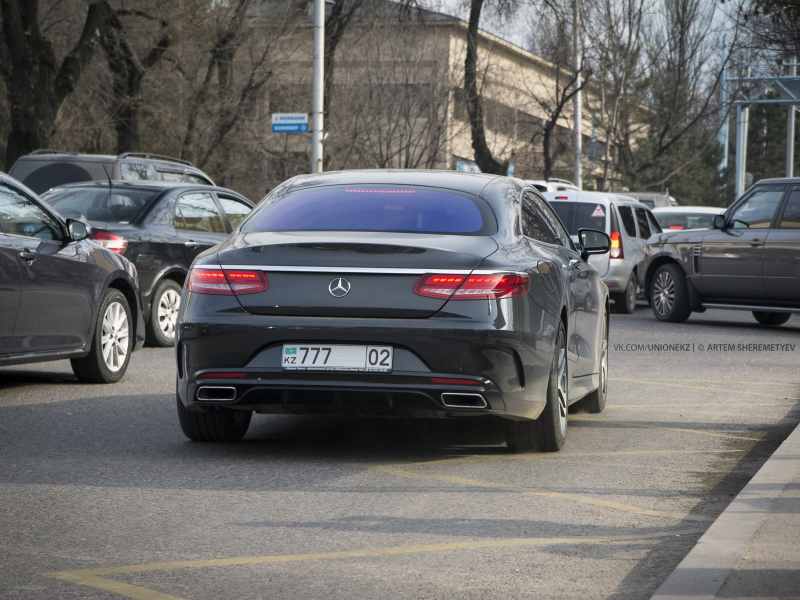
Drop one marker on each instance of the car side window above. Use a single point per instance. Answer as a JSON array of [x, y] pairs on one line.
[[22, 216], [534, 223], [644, 227], [133, 171], [626, 216], [757, 210], [791, 213], [169, 176], [235, 210], [200, 213], [654, 226], [562, 236], [191, 178]]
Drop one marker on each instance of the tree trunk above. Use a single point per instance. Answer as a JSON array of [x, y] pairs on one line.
[[38, 86], [128, 72], [483, 155]]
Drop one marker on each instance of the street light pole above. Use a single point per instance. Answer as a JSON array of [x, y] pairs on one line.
[[790, 126], [317, 117], [578, 140]]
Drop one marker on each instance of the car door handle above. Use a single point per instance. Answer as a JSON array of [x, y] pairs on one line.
[[191, 244], [756, 243], [574, 263], [27, 256]]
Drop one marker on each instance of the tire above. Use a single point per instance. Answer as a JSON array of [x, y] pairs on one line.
[[625, 303], [596, 401], [669, 294], [214, 424], [115, 326], [521, 436], [164, 314], [771, 318], [553, 421]]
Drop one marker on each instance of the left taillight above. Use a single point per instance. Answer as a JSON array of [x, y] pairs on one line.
[[113, 242], [472, 287], [226, 283]]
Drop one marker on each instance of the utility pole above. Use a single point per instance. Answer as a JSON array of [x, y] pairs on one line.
[[577, 174], [722, 136], [317, 117], [790, 126], [742, 117]]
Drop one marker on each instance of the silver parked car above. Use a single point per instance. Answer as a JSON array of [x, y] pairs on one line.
[[627, 222]]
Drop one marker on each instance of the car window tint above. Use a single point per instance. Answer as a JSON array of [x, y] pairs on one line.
[[21, 216], [200, 213], [590, 215], [235, 210], [534, 223], [197, 179], [626, 216], [169, 176], [565, 212], [177, 221], [644, 227], [391, 208], [40, 175], [654, 226], [115, 205], [561, 236], [757, 210], [791, 214], [133, 171]]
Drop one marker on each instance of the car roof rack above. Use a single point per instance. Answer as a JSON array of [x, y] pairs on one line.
[[155, 156], [41, 151]]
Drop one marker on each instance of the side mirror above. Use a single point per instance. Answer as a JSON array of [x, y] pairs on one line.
[[78, 230], [593, 242], [719, 221]]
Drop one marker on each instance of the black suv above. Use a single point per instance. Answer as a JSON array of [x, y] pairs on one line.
[[749, 260], [160, 227], [42, 170]]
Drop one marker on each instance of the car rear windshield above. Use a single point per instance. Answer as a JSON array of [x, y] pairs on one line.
[[581, 215], [390, 208], [118, 205], [684, 220], [40, 175]]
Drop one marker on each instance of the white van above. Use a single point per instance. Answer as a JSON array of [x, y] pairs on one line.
[[627, 222]]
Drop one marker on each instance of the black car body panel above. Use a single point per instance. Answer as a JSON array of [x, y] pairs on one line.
[[504, 346], [740, 267], [49, 303], [154, 245]]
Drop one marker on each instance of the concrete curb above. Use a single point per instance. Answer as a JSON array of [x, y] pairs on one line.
[[704, 570]]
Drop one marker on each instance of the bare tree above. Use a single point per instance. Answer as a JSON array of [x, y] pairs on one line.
[[37, 83]]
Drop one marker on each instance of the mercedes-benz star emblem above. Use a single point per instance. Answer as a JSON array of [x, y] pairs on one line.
[[339, 287]]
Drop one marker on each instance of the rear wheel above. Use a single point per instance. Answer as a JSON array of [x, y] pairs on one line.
[[164, 314], [112, 342], [669, 294], [214, 424], [771, 318], [521, 436], [626, 301], [554, 418]]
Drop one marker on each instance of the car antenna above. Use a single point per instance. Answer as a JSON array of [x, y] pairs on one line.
[[110, 185]]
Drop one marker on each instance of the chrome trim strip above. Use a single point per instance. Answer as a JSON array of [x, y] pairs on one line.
[[485, 404], [376, 270], [775, 309]]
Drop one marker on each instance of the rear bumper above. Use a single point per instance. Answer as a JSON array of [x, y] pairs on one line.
[[511, 368], [618, 274]]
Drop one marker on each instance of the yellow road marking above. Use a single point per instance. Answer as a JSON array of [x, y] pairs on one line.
[[549, 455], [392, 470], [701, 404], [692, 387], [92, 577], [651, 426]]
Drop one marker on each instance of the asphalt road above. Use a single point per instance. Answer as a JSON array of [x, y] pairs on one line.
[[103, 497]]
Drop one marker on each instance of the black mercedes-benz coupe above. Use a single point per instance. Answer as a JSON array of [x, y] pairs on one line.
[[397, 293], [61, 295]]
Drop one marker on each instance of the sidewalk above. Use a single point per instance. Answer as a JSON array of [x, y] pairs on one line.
[[753, 549]]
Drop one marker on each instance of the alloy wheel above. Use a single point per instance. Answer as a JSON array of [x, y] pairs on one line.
[[114, 341], [663, 293], [562, 389], [168, 312]]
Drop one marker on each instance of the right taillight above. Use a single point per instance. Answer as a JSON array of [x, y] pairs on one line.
[[472, 287], [616, 245], [226, 283]]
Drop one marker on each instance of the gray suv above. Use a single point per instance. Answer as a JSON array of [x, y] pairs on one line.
[[43, 170], [750, 260]]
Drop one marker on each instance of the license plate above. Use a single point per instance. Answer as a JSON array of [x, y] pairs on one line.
[[333, 357]]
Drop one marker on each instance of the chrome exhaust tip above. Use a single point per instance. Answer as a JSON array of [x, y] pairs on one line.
[[458, 400], [216, 392]]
